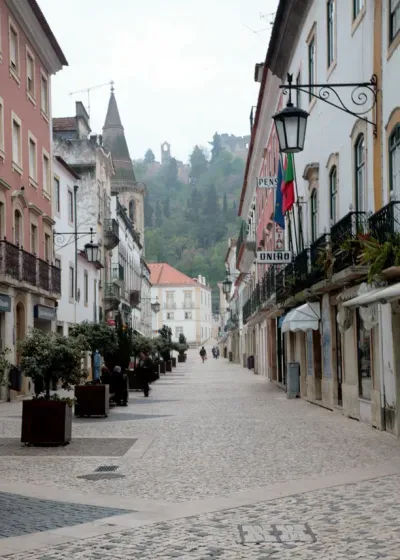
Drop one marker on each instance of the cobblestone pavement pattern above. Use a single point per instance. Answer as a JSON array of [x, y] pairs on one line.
[[225, 430]]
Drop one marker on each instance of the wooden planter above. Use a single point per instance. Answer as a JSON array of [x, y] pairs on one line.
[[134, 381], [46, 422], [162, 367], [156, 372], [168, 365], [181, 358], [173, 362], [92, 400]]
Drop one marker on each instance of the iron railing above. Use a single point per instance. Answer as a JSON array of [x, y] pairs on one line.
[[55, 280], [385, 223], [300, 279], [10, 260], [29, 267], [320, 252], [111, 290], [346, 230], [118, 272], [44, 275]]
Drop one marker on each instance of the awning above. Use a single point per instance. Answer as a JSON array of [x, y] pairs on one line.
[[381, 295], [303, 318]]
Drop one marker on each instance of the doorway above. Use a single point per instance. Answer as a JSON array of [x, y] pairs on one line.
[[339, 370]]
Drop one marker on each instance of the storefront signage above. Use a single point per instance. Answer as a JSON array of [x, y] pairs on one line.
[[267, 182], [45, 313], [5, 303], [274, 257]]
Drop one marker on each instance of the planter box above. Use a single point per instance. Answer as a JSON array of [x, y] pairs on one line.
[[173, 362], [92, 400], [168, 365], [181, 358], [133, 381], [156, 372], [162, 367], [46, 422]]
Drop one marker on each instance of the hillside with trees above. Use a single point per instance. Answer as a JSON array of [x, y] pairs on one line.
[[188, 225]]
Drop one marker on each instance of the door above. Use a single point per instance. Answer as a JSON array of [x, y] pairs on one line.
[[339, 370]]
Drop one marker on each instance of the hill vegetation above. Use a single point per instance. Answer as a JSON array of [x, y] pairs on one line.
[[188, 225]]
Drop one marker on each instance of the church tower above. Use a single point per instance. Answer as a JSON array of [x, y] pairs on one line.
[[123, 183]]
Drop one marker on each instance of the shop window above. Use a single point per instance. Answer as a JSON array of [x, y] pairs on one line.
[[364, 359]]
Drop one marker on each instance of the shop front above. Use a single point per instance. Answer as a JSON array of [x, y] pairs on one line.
[[44, 317]]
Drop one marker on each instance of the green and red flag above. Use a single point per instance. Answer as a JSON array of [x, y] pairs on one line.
[[288, 185]]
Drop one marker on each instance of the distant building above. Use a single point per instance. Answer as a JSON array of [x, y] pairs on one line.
[[185, 303], [237, 145]]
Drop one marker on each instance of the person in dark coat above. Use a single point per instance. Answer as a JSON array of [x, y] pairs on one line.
[[120, 387], [145, 370]]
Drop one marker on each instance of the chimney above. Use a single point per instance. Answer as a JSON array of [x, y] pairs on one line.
[[199, 279], [204, 280]]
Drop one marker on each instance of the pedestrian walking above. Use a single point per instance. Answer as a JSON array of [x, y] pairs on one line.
[[214, 352], [144, 371], [203, 354], [120, 386]]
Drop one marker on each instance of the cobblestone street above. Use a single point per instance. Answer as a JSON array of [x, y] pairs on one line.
[[215, 464]]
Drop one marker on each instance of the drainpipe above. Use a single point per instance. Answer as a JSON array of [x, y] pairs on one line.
[[76, 249]]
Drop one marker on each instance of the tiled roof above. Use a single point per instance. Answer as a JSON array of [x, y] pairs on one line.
[[64, 123], [163, 273]]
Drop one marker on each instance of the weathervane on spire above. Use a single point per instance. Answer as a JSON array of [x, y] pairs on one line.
[[112, 86]]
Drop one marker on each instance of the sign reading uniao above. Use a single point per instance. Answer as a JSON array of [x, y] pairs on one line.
[[267, 182], [274, 257]]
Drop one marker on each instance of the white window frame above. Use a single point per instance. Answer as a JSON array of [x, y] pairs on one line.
[[170, 316], [34, 246], [358, 6], [331, 35], [71, 283], [360, 169], [31, 95], [33, 179], [2, 138], [46, 186], [188, 316], [13, 29], [71, 209], [57, 199], [44, 110], [47, 247], [394, 9], [17, 165]]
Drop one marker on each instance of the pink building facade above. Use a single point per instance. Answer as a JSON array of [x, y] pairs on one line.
[[29, 281]]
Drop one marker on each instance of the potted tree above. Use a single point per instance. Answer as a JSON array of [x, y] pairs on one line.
[[93, 398], [49, 358], [182, 347], [166, 346]]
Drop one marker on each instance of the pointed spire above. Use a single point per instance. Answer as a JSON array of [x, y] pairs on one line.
[[113, 120]]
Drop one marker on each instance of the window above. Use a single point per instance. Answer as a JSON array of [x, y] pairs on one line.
[[311, 67], [394, 162], [33, 239], [56, 193], [178, 331], [188, 300], [30, 73], [2, 220], [32, 157], [71, 282], [300, 227], [188, 315], [46, 173], [57, 263], [364, 359], [132, 209], [85, 287], [170, 316], [170, 300], [298, 92], [44, 94], [1, 125], [333, 193], [357, 7], [47, 248], [70, 206], [359, 157], [16, 141], [394, 22], [99, 203], [330, 17], [17, 227], [14, 49], [314, 216]]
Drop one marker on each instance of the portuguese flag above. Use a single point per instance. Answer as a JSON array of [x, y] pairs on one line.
[[288, 185]]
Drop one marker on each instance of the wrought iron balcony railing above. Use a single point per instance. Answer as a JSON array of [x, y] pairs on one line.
[[29, 267], [111, 233], [346, 230], [56, 280], [284, 283], [44, 274], [385, 224], [300, 280], [118, 272], [112, 290], [320, 253]]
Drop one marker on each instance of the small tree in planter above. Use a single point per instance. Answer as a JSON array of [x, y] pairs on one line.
[[182, 347], [96, 336], [48, 358]]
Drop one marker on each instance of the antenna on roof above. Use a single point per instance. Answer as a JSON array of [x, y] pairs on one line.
[[88, 90]]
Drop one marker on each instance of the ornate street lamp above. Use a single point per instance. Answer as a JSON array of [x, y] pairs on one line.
[[156, 306], [291, 125], [227, 286], [92, 252]]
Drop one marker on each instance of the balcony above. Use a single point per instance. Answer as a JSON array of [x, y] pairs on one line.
[[284, 283], [118, 273], [385, 224], [134, 298], [19, 266], [343, 233], [170, 305], [110, 233], [245, 248], [112, 296], [321, 260], [301, 278]]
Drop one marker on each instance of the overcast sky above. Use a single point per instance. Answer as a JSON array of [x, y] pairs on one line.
[[183, 69]]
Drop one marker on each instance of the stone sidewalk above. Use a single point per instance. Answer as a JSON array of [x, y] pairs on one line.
[[215, 464]]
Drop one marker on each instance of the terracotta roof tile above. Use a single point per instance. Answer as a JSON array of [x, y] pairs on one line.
[[164, 273], [64, 123]]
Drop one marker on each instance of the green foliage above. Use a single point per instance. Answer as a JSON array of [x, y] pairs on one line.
[[216, 147], [149, 156], [51, 357], [96, 336], [379, 256], [202, 215], [4, 366], [182, 339]]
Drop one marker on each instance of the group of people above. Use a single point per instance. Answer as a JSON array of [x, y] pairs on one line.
[[118, 379], [203, 353]]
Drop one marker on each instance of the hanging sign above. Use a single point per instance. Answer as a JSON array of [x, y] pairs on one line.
[[267, 182], [274, 257]]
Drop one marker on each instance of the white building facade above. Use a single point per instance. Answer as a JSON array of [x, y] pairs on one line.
[[185, 303]]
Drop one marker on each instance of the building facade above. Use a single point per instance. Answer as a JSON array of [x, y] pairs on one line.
[[325, 311], [29, 281], [79, 291], [185, 303]]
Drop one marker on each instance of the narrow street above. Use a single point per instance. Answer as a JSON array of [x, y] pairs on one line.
[[217, 463]]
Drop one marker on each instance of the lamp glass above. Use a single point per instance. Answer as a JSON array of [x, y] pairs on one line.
[[92, 252], [227, 286], [291, 125], [156, 307]]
